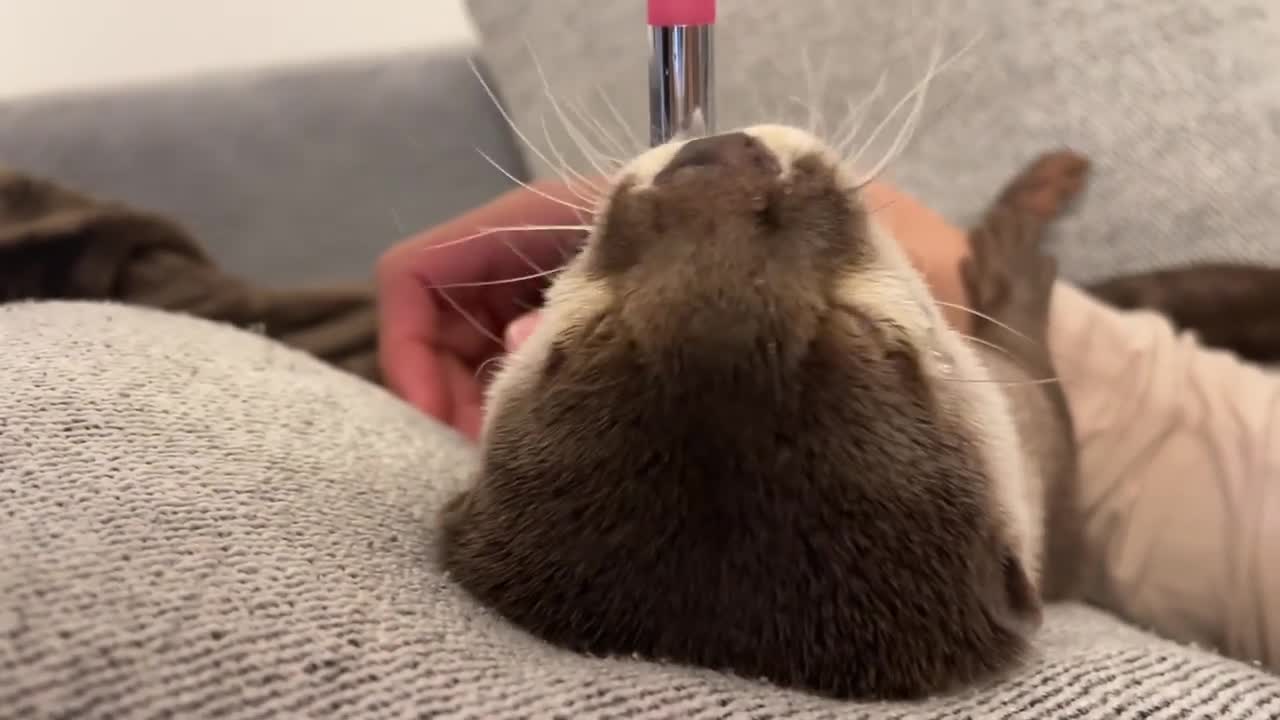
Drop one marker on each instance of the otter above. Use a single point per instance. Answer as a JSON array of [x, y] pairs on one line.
[[744, 438], [1229, 306]]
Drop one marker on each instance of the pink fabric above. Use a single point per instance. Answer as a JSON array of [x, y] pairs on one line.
[[1180, 472]]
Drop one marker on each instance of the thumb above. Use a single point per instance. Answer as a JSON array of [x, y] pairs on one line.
[[520, 329]]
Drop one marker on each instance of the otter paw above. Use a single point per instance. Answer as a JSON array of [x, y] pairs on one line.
[[1046, 186], [1006, 275]]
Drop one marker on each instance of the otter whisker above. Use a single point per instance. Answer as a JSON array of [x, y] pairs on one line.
[[799, 102], [529, 187], [417, 145], [761, 107], [413, 141], [986, 317], [846, 135], [467, 316], [918, 92], [564, 163], [504, 281], [555, 150], [912, 94], [572, 132], [1006, 383], [820, 92], [905, 133], [940, 113], [395, 220], [495, 360], [509, 228], [588, 143], [811, 87], [623, 125], [806, 70], [493, 97], [527, 260], [523, 138], [987, 343], [567, 173], [910, 129], [885, 205], [1009, 354], [588, 151], [606, 137], [839, 136]]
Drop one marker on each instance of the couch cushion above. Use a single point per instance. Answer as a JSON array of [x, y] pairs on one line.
[[197, 522], [1177, 102], [292, 174]]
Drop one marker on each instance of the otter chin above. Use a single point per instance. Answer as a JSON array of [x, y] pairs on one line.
[[743, 438]]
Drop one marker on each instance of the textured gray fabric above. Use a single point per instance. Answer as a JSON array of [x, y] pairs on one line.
[[1177, 102], [286, 175], [196, 522]]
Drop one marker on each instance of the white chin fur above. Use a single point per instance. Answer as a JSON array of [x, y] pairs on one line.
[[966, 385], [570, 302]]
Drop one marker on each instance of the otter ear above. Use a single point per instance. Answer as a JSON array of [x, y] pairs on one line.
[[1013, 602]]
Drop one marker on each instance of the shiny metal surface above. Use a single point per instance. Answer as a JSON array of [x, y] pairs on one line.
[[681, 79]]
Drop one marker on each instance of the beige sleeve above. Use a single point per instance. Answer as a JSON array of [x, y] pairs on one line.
[[1180, 472]]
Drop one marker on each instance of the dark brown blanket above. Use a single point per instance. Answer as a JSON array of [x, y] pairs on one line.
[[56, 243], [1229, 306]]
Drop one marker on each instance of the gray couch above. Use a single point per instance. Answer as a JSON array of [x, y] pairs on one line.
[[292, 174], [195, 522]]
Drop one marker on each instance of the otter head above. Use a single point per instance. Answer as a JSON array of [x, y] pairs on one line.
[[743, 438]]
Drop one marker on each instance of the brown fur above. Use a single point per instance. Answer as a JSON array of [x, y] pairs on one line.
[[1229, 306], [730, 465], [1008, 277]]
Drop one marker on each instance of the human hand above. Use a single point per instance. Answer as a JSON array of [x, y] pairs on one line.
[[446, 297]]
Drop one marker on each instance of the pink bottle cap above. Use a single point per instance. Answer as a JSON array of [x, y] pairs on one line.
[[664, 13]]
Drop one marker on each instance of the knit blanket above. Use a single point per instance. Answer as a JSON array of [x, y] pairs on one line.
[[197, 521]]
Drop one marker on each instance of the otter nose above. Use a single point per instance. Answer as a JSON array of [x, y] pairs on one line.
[[732, 152]]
